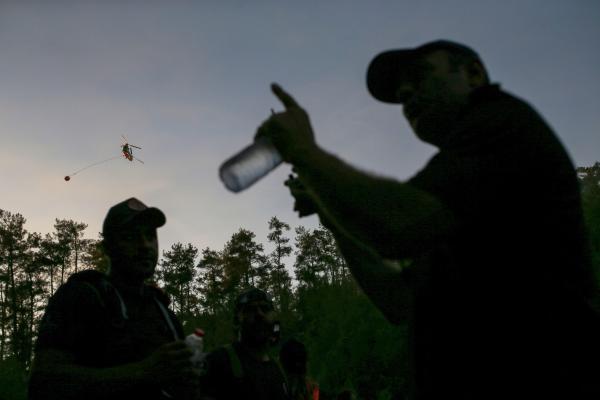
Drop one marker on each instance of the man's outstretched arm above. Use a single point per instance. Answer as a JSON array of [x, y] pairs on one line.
[[393, 218], [386, 286]]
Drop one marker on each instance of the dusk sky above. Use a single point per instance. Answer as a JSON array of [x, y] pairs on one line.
[[188, 81]]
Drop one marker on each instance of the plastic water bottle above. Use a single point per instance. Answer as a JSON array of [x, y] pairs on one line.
[[249, 165], [195, 341]]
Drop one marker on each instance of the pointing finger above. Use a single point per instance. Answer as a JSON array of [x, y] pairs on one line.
[[287, 100]]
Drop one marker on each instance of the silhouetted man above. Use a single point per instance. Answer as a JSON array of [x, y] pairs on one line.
[[112, 336], [497, 286], [244, 369]]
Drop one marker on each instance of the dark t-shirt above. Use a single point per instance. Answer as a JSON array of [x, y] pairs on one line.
[[86, 318], [260, 380], [504, 307]]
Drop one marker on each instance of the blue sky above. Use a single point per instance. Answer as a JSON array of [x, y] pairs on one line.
[[189, 82]]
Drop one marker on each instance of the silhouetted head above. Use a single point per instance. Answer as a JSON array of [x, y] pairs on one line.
[[130, 239], [255, 317], [293, 357], [433, 82]]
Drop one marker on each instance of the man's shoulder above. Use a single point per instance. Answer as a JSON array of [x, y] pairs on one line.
[[86, 277], [79, 286], [499, 97], [76, 307], [158, 293], [528, 140], [518, 113]]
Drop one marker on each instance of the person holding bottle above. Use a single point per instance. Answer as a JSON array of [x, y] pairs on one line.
[[496, 286], [112, 336]]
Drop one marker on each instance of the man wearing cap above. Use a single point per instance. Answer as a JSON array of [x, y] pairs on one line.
[[497, 287], [112, 336], [244, 369]]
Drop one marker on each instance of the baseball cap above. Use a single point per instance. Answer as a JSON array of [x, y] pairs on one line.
[[250, 295], [389, 68], [131, 211]]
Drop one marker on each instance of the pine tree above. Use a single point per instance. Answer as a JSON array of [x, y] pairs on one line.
[[94, 256], [279, 282], [589, 178], [13, 249], [34, 295], [176, 271], [68, 236], [210, 281], [243, 262], [334, 265], [308, 267]]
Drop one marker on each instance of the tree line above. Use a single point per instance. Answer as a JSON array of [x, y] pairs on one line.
[[350, 344], [304, 272]]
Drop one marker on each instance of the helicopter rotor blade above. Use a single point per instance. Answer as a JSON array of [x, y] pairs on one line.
[[137, 159], [137, 147]]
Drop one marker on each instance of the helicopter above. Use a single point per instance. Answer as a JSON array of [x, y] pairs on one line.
[[127, 150]]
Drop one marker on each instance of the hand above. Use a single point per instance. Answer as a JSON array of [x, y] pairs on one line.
[[290, 131], [304, 203], [170, 364]]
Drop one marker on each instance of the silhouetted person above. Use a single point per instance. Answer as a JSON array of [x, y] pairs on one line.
[[497, 286], [244, 369], [294, 360], [112, 336]]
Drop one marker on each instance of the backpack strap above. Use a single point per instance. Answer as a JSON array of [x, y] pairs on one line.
[[234, 362], [110, 298], [107, 295], [162, 300], [286, 383], [167, 318]]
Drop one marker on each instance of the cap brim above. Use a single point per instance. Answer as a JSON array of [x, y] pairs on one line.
[[250, 296], [387, 70], [151, 216]]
